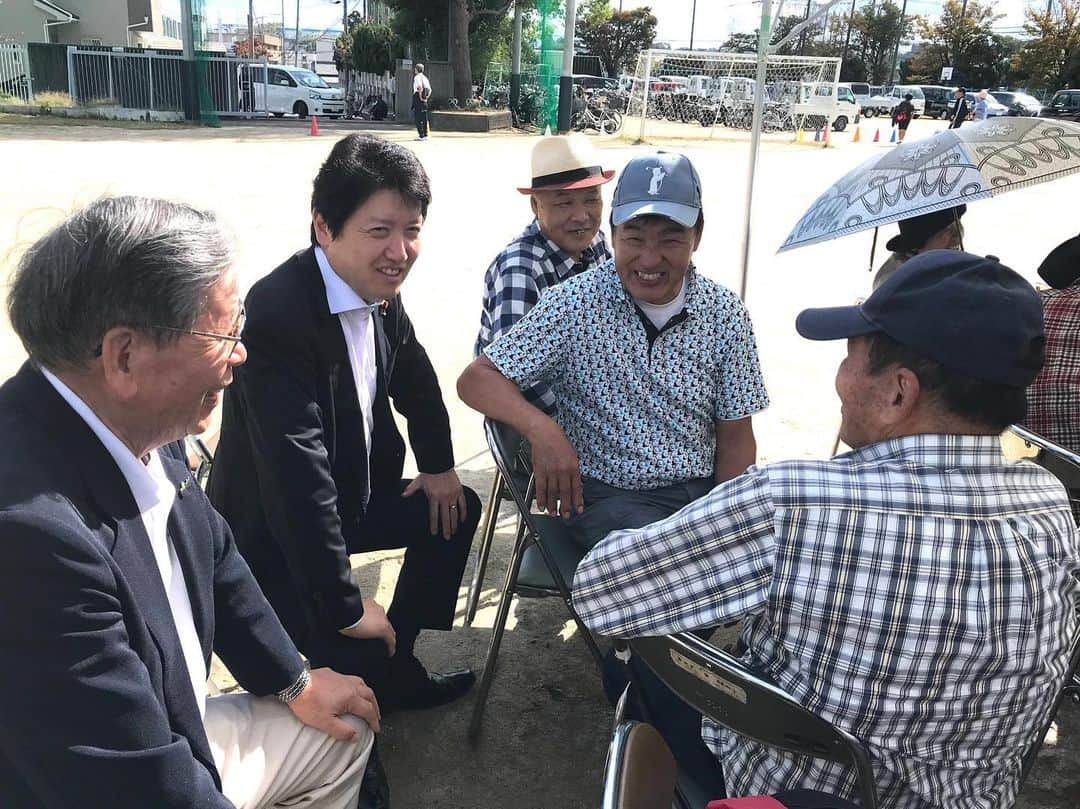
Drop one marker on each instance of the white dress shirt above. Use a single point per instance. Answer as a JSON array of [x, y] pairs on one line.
[[154, 495]]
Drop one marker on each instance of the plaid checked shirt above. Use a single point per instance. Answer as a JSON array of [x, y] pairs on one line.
[[918, 592], [529, 266], [1054, 396]]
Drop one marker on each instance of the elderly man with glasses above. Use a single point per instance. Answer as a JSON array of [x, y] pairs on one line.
[[119, 578]]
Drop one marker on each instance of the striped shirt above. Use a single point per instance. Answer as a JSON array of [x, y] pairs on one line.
[[918, 592], [527, 268]]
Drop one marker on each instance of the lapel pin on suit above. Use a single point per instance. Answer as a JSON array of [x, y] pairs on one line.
[[183, 485]]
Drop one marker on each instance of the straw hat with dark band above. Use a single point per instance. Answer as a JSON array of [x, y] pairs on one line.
[[564, 162]]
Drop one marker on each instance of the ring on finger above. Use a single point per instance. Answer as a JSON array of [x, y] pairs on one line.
[[453, 506]]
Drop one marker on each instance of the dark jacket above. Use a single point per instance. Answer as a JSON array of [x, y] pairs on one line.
[[95, 697], [959, 113], [289, 473], [903, 113]]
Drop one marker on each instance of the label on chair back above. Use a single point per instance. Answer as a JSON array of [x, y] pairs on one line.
[[708, 677]]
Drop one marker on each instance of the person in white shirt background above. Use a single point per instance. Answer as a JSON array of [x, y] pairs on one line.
[[421, 94]]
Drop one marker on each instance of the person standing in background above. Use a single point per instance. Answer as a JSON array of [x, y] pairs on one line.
[[421, 93]]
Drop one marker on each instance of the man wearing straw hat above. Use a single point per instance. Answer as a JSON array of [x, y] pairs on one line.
[[654, 368], [563, 240]]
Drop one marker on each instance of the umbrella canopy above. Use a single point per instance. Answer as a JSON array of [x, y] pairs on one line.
[[954, 166]]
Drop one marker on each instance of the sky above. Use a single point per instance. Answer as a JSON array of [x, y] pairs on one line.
[[713, 22]]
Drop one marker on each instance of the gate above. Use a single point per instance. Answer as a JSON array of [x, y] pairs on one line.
[[15, 72]]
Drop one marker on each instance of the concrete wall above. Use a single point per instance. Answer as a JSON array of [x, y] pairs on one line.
[[106, 20], [440, 74]]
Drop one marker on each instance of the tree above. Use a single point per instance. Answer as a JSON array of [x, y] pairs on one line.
[[1051, 59], [875, 30], [964, 39], [618, 37], [243, 47], [368, 46]]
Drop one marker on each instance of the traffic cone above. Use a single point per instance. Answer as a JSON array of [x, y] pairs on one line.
[[801, 136], [314, 126], [892, 137], [817, 135], [858, 135], [825, 135], [877, 135]]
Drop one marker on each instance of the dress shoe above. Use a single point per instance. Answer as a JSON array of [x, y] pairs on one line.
[[375, 788], [412, 687]]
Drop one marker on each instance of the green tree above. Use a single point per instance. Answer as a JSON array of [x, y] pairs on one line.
[[617, 37], [875, 30], [368, 46], [1050, 60], [964, 41]]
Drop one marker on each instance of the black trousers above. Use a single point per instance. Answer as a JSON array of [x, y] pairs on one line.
[[420, 112], [426, 592]]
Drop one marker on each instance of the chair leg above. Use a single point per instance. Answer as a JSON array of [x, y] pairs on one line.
[[497, 632], [482, 553]]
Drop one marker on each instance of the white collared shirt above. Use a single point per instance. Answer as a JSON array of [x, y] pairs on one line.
[[154, 496], [661, 313], [359, 331]]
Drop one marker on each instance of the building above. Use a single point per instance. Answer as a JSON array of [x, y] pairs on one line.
[[132, 23]]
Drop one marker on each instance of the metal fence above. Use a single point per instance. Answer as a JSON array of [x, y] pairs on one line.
[[154, 81], [15, 72]]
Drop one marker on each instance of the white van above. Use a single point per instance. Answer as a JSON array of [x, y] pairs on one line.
[[281, 90], [859, 89], [818, 103]]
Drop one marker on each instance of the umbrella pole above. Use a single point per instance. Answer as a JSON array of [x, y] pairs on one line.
[[873, 249]]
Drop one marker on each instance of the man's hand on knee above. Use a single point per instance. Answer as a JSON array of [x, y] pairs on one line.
[[328, 696]]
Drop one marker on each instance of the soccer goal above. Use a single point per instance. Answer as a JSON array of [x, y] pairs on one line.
[[695, 94]]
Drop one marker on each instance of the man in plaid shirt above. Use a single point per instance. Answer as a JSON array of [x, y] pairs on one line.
[[1054, 397], [563, 240], [919, 591]]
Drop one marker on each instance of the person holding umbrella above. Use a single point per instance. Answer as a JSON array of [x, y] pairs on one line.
[[940, 230], [902, 115]]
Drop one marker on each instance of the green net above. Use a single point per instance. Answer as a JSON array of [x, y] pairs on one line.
[[203, 80], [549, 65]]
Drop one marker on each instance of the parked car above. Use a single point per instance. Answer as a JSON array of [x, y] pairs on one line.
[[1018, 103], [590, 82], [885, 99], [289, 90], [817, 104], [994, 108], [1065, 104], [938, 99]]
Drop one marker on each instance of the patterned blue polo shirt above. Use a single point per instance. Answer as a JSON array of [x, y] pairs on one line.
[[640, 416]]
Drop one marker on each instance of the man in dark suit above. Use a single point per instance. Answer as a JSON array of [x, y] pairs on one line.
[[119, 579], [309, 466]]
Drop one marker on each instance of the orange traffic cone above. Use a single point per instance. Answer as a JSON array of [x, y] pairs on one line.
[[857, 137], [314, 126], [877, 135]]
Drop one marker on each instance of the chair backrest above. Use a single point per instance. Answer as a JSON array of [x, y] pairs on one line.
[[720, 687], [511, 453], [640, 770], [1062, 463]]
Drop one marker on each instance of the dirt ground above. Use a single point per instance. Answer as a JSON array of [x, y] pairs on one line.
[[547, 724]]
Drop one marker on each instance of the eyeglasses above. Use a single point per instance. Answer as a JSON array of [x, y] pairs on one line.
[[234, 336]]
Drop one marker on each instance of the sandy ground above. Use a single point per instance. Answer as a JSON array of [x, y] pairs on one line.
[[547, 725]]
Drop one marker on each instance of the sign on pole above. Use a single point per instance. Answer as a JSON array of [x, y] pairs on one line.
[[946, 74]]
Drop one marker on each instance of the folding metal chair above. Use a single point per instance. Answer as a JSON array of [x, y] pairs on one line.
[[640, 770], [496, 496], [543, 561], [1062, 463], [718, 686]]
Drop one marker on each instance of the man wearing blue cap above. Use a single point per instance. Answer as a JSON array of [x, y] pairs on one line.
[[654, 367], [918, 591]]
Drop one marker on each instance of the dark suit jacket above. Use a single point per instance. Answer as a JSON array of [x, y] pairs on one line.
[[96, 708], [289, 474]]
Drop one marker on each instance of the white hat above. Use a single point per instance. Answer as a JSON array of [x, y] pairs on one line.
[[561, 162]]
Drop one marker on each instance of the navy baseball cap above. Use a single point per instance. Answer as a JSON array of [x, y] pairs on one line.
[[969, 313], [661, 183]]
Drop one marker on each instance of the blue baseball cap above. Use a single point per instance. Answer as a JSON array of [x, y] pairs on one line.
[[661, 183], [969, 313]]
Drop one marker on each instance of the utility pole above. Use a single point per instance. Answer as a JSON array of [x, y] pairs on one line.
[[566, 79], [344, 33], [282, 48], [802, 34], [190, 91], [899, 36], [693, 18], [251, 29], [296, 38], [515, 59], [847, 36]]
